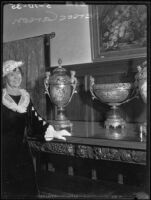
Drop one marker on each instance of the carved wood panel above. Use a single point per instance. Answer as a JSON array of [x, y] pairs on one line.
[[91, 152]]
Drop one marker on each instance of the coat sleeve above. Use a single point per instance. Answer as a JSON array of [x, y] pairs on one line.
[[36, 125]]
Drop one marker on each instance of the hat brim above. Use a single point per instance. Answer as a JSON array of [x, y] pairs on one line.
[[10, 67]]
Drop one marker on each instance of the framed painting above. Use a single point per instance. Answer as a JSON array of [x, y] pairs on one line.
[[118, 31]]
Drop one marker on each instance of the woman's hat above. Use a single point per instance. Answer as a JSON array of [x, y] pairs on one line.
[[10, 65]]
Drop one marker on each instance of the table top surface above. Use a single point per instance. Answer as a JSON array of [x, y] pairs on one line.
[[93, 133]]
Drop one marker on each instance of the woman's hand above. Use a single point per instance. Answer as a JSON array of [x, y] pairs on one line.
[[52, 133], [60, 134]]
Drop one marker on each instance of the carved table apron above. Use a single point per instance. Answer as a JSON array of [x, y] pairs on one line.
[[123, 151]]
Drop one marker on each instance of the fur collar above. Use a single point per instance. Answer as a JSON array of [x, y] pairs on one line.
[[21, 107]]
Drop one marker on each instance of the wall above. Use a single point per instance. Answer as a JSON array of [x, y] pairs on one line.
[[69, 22]]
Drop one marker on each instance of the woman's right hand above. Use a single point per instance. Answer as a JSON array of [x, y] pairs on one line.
[[60, 134], [51, 133]]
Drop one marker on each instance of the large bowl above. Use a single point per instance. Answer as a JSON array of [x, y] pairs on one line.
[[112, 92]]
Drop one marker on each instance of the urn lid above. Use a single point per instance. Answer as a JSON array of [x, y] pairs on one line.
[[59, 75]]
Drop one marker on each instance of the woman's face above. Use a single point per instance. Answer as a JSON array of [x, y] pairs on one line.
[[14, 78]]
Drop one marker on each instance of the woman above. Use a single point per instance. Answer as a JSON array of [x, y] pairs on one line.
[[18, 112]]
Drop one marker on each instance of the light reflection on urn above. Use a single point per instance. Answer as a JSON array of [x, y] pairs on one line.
[[60, 88]]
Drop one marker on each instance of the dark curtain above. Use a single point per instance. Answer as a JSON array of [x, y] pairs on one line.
[[31, 51]]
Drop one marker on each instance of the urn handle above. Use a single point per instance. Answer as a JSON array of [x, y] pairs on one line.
[[133, 96], [91, 88], [46, 83], [73, 83]]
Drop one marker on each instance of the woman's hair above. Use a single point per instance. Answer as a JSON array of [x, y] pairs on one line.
[[5, 77]]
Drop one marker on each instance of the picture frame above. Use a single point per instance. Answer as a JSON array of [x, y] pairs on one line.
[[118, 31]]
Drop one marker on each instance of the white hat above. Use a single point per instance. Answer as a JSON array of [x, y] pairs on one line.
[[10, 65]]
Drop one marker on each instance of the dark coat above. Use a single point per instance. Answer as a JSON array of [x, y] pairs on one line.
[[17, 163]]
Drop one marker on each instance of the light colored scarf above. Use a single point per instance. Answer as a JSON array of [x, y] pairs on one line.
[[21, 107]]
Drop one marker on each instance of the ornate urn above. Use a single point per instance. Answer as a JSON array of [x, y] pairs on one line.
[[141, 84], [113, 94], [60, 88]]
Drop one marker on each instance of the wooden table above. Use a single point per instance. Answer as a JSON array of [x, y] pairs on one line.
[[91, 140]]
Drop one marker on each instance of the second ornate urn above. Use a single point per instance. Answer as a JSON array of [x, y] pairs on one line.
[[60, 87], [113, 94]]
